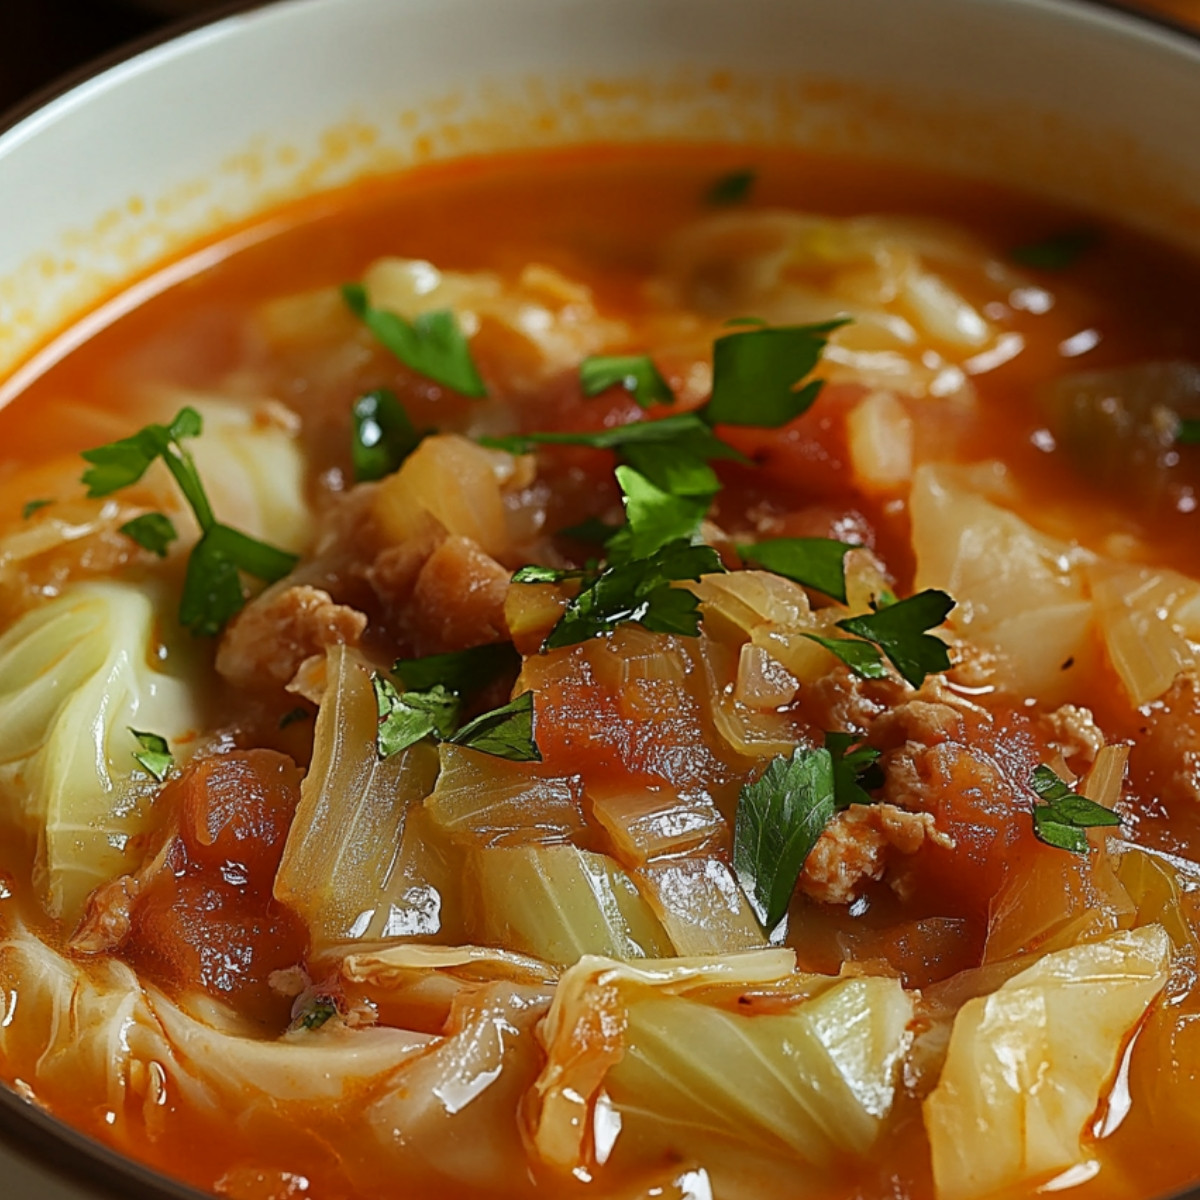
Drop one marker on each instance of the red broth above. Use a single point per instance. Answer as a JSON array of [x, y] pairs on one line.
[[207, 922]]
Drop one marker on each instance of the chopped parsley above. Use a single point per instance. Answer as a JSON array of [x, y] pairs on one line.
[[294, 716], [655, 517], [154, 754], [1188, 434], [899, 630], [505, 732], [32, 506], [640, 592], [406, 718], [460, 671], [212, 590], [759, 373], [779, 818], [861, 657], [854, 770], [815, 562], [315, 1013], [1061, 817], [1057, 252], [636, 373], [432, 345], [152, 531], [733, 188], [382, 437]]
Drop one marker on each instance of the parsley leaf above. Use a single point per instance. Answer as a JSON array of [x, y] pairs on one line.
[[315, 1013], [853, 770], [732, 188], [212, 589], [460, 671], [655, 517], [1062, 816], [639, 591], [433, 345], [757, 374], [407, 717], [815, 562], [900, 632], [506, 732], [294, 716], [383, 436], [636, 373], [779, 819], [32, 506], [536, 574], [152, 531], [155, 754], [861, 657], [1057, 252], [1188, 434]]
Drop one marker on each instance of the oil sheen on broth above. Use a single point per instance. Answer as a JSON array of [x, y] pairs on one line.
[[709, 856]]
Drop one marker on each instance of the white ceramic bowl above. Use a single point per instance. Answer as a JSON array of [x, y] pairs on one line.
[[125, 171]]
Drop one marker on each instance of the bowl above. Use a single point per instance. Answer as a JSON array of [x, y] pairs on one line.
[[116, 188]]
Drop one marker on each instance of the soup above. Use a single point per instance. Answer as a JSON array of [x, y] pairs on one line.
[[626, 672]]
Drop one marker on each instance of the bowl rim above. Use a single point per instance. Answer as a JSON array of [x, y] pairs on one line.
[[27, 1130]]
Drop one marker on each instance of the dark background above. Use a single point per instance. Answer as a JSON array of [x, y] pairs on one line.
[[42, 40]]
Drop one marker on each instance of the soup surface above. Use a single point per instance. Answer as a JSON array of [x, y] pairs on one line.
[[627, 672]]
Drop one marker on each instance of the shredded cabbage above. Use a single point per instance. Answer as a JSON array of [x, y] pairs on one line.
[[75, 675], [1026, 1065]]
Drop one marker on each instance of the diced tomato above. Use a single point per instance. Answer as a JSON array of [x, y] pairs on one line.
[[208, 920]]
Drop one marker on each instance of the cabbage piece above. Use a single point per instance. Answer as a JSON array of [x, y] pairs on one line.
[[449, 1113], [94, 1034], [253, 467], [75, 675], [701, 906], [356, 864], [1027, 1064], [656, 1061], [1018, 591], [484, 800], [543, 321], [559, 903], [913, 331], [1142, 615], [647, 820]]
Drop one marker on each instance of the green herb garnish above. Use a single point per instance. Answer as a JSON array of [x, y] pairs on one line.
[[433, 345], [383, 436], [732, 188], [1058, 252], [639, 592], [32, 506], [854, 771], [212, 590], [155, 754], [315, 1013], [460, 671], [816, 562], [1062, 816], [152, 531], [293, 717], [1188, 433], [406, 718], [779, 819], [899, 630], [655, 517], [861, 657], [636, 373], [758, 374], [505, 732]]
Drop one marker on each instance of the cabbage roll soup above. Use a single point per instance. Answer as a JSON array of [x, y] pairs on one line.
[[666, 672]]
